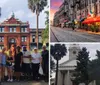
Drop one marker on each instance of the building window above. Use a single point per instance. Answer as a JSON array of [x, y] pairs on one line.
[[12, 40], [1, 39], [33, 38], [23, 29], [40, 38], [1, 29], [1, 47], [24, 39], [12, 29]]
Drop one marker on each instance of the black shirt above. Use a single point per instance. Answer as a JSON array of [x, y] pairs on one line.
[[18, 58], [45, 56]]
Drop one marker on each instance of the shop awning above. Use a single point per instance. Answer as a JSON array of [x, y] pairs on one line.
[[91, 20]]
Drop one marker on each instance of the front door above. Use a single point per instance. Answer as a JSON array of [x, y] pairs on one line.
[[12, 41]]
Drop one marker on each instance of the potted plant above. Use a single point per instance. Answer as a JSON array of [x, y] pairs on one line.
[[92, 28]]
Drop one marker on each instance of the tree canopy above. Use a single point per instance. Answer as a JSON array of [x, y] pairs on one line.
[[58, 51], [37, 5]]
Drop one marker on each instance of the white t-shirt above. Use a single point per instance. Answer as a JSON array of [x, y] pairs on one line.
[[26, 60], [36, 57]]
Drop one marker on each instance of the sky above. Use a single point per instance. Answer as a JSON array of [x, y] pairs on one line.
[[54, 6], [90, 47], [21, 11]]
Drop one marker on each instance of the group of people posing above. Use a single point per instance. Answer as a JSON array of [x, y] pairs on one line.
[[20, 62]]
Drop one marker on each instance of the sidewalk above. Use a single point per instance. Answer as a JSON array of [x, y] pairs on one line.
[[89, 32], [82, 30]]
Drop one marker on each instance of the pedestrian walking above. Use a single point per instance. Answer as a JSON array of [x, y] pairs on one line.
[[18, 63], [10, 60], [26, 63], [36, 61], [45, 63]]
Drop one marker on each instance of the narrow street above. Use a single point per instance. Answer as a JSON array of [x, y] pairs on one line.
[[25, 83], [65, 35]]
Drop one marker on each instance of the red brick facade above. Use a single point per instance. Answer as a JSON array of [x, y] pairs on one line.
[[14, 31]]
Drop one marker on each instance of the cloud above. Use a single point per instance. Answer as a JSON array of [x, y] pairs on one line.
[[30, 15], [56, 4], [2, 19], [52, 12], [3, 2], [21, 10], [19, 14]]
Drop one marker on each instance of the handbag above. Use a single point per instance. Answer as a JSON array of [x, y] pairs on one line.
[[40, 70]]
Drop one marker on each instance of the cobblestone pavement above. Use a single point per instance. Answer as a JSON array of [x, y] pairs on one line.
[[64, 35], [25, 83]]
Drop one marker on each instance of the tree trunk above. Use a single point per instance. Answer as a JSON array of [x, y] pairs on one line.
[[37, 35], [56, 81]]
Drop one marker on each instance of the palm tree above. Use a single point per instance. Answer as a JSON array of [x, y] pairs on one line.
[[58, 51], [37, 6]]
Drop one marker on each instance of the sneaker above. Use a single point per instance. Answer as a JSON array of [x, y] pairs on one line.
[[11, 80], [8, 80]]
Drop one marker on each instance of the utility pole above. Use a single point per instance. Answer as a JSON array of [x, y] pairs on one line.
[[0, 11]]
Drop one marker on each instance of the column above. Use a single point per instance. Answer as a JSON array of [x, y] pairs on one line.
[[6, 41], [60, 78], [28, 42], [67, 78], [19, 40]]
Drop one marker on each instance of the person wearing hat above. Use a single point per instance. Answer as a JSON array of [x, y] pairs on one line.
[[45, 63], [26, 62], [18, 63], [36, 60]]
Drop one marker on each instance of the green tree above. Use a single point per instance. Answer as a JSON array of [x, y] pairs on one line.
[[94, 67], [45, 33], [58, 51], [37, 6], [81, 71]]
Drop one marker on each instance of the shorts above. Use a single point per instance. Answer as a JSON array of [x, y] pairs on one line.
[[10, 67], [3, 65]]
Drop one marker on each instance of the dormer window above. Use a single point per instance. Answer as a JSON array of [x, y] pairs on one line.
[[12, 29]]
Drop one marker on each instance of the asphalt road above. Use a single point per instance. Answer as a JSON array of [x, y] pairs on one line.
[[25, 83], [63, 35]]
